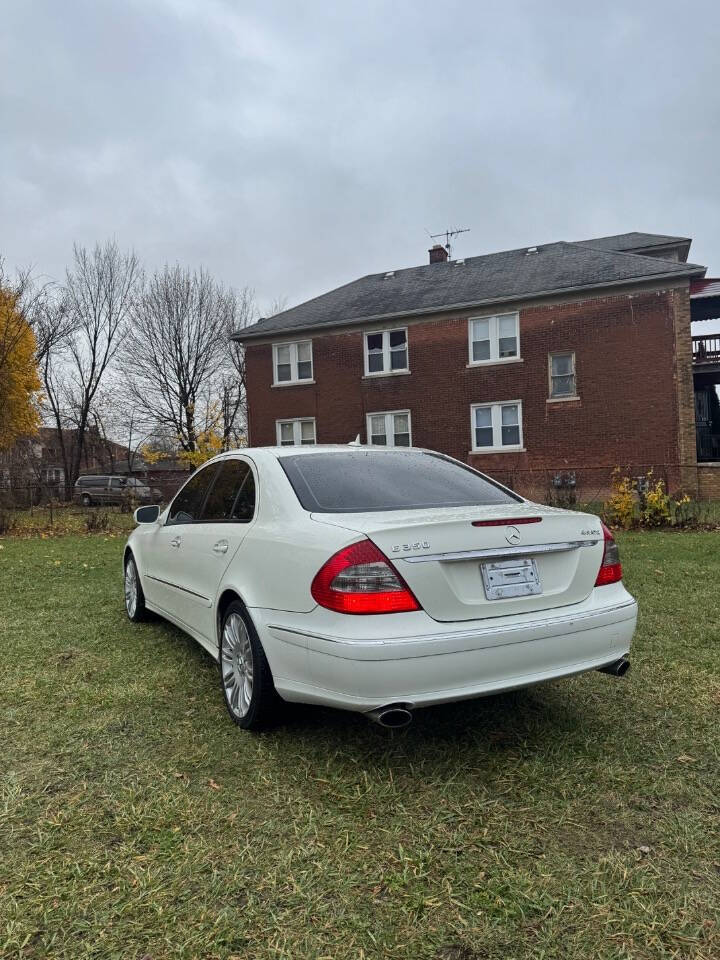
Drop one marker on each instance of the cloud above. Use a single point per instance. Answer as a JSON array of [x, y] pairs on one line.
[[292, 147]]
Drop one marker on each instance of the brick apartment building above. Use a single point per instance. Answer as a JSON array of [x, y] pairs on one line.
[[546, 367]]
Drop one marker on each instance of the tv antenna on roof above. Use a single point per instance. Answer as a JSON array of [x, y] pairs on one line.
[[449, 235]]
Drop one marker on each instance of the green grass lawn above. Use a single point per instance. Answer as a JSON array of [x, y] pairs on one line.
[[580, 819]]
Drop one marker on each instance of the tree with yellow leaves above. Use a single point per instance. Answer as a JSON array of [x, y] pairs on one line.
[[19, 381]]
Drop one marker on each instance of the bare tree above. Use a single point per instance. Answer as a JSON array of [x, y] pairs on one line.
[[278, 305], [231, 386], [84, 325], [117, 422], [176, 351]]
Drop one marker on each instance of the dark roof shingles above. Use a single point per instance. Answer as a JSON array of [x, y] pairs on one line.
[[512, 274], [627, 242]]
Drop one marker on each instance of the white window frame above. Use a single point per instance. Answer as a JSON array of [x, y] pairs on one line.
[[561, 396], [496, 421], [494, 330], [389, 426], [297, 431], [386, 370], [293, 345]]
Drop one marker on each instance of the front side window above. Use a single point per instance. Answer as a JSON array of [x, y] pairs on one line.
[[296, 433], [386, 352], [232, 497], [492, 339], [562, 375], [389, 429], [497, 426], [188, 504], [293, 362]]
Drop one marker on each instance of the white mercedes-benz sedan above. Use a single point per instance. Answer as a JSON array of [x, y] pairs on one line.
[[377, 580]]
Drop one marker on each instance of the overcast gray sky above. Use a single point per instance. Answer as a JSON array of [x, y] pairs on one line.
[[294, 146]]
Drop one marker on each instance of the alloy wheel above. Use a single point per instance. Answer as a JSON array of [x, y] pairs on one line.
[[237, 665], [131, 588]]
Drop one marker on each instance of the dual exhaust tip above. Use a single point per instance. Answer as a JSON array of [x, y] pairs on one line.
[[617, 669], [395, 716]]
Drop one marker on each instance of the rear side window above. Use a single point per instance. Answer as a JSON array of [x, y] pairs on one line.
[[362, 481], [187, 505], [232, 497]]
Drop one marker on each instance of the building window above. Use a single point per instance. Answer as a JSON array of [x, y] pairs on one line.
[[293, 362], [389, 429], [493, 339], [497, 426], [562, 375], [295, 433], [386, 352]]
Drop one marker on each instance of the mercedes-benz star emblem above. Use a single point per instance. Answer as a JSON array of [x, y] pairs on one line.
[[512, 535]]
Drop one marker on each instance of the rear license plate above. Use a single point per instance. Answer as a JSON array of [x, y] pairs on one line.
[[510, 578]]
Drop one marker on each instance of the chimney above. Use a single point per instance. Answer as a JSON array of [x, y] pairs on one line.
[[438, 254]]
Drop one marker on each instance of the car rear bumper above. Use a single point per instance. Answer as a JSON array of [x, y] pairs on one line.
[[436, 663]]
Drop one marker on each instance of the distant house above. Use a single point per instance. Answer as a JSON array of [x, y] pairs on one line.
[[546, 366], [37, 461]]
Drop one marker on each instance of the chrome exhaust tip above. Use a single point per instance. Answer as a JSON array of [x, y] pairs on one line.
[[617, 669], [394, 716]]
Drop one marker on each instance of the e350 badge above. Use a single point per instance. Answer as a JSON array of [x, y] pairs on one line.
[[410, 547]]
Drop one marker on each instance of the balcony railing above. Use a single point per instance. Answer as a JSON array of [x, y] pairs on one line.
[[706, 349]]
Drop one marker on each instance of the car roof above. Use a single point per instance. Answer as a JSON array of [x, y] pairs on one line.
[[308, 449]]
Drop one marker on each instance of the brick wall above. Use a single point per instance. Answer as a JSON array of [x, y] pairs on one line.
[[632, 390], [708, 482]]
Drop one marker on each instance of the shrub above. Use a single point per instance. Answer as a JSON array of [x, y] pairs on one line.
[[619, 511], [129, 504], [567, 499], [8, 522], [641, 501], [97, 521], [655, 509]]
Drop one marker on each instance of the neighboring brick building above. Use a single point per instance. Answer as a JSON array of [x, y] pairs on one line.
[[546, 367]]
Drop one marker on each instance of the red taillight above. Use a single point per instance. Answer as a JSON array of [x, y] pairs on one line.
[[610, 568], [360, 579]]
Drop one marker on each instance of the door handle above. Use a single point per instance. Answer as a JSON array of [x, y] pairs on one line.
[[221, 546], [176, 542]]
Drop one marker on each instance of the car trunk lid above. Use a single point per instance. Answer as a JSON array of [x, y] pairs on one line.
[[466, 563]]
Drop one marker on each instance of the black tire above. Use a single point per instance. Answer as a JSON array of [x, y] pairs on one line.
[[86, 501], [136, 612], [263, 707]]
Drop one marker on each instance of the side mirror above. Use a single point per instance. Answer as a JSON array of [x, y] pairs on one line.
[[146, 514]]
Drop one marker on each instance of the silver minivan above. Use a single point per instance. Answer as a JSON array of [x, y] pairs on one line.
[[90, 490]]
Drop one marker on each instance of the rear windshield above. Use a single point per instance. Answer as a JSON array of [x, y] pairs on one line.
[[364, 481]]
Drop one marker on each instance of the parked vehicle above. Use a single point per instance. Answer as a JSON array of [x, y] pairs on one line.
[[94, 489], [376, 580]]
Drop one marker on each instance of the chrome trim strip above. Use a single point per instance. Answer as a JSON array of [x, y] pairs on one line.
[[176, 586], [498, 553]]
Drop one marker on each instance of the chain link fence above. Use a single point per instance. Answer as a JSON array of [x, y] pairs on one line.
[[38, 504]]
